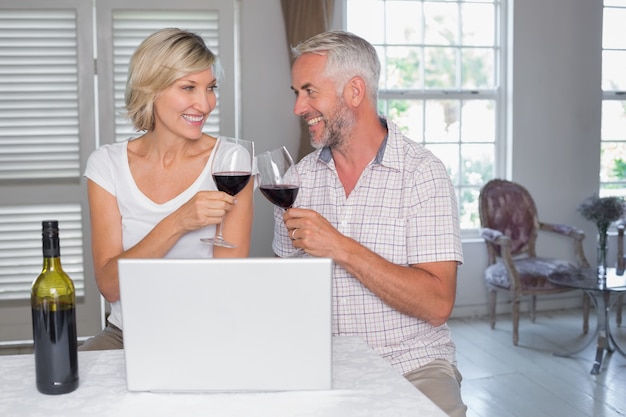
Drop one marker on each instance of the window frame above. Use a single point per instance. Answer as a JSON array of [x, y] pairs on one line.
[[497, 94], [610, 187]]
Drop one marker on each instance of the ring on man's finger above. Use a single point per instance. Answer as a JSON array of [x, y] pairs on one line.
[[293, 234]]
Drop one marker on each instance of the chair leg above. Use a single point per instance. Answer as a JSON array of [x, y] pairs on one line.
[[586, 303], [515, 321], [618, 310], [533, 308], [492, 308]]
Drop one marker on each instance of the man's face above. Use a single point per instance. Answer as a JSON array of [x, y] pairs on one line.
[[319, 103]]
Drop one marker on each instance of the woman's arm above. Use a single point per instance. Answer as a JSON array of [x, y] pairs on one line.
[[237, 226], [205, 208]]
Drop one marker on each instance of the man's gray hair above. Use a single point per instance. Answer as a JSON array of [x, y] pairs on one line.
[[348, 55]]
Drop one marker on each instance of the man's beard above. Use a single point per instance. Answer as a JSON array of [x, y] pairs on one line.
[[337, 128]]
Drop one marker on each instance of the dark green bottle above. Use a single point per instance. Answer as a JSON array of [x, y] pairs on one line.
[[53, 303]]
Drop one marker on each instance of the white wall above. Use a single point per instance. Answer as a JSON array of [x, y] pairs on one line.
[[267, 116], [554, 122]]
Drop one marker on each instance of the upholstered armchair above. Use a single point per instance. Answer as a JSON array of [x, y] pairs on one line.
[[510, 227]]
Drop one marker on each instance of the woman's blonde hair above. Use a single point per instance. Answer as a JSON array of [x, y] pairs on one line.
[[160, 60]]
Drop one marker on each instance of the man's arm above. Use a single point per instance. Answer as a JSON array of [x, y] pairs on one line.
[[426, 291]]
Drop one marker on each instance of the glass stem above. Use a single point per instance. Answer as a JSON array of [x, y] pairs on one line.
[[219, 231]]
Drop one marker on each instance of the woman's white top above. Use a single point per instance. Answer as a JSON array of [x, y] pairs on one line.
[[108, 167]]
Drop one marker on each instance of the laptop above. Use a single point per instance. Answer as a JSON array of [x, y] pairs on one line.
[[253, 324]]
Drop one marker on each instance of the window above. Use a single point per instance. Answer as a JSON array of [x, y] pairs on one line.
[[61, 95], [441, 82], [613, 148]]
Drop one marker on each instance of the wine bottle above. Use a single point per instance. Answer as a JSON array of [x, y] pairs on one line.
[[53, 303]]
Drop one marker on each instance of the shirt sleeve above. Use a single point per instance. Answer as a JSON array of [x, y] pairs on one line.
[[433, 234], [100, 168]]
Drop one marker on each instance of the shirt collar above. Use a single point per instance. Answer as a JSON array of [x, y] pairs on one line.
[[326, 155]]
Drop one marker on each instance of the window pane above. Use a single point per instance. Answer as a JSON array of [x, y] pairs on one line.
[[364, 19], [613, 28], [408, 115], [478, 121], [402, 68], [382, 84], [477, 168], [440, 68], [613, 120], [614, 70], [477, 28], [613, 149], [441, 23], [404, 22], [449, 155], [478, 164], [469, 217], [478, 68], [613, 163], [442, 121]]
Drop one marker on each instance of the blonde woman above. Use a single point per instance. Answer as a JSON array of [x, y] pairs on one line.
[[153, 196]]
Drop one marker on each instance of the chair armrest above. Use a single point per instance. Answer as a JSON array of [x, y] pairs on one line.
[[563, 229], [577, 236], [498, 244], [494, 236]]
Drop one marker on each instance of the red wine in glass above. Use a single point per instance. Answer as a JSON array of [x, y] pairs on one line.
[[231, 182], [281, 195], [279, 181], [231, 168], [278, 177]]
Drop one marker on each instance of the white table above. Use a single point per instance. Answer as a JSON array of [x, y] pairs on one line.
[[364, 384]]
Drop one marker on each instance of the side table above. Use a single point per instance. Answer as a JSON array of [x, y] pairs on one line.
[[604, 293]]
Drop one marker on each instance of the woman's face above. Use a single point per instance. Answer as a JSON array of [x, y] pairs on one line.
[[183, 107]]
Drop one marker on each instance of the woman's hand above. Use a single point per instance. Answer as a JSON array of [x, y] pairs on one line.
[[205, 208]]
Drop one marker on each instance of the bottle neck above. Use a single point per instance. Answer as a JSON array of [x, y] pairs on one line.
[[50, 245], [52, 263], [51, 252]]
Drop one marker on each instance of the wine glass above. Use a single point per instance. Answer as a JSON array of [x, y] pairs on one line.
[[279, 181], [231, 169], [278, 178]]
